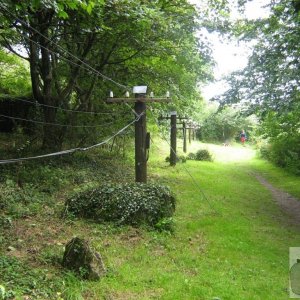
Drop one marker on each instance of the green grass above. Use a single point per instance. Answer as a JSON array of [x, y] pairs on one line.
[[278, 177], [231, 241]]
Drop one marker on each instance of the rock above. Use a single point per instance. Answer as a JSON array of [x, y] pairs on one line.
[[79, 257], [11, 248]]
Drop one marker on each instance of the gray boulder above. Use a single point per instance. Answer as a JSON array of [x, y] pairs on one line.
[[80, 258]]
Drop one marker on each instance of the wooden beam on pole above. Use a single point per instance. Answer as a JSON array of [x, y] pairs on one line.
[[139, 98], [140, 142], [173, 150], [184, 137]]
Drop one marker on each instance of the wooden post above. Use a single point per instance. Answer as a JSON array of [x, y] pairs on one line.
[[173, 139], [140, 141], [190, 135], [184, 136]]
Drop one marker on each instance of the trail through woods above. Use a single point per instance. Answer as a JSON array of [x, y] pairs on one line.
[[289, 204]]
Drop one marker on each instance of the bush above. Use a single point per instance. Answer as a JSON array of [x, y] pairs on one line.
[[283, 152], [180, 158], [132, 204], [201, 154], [191, 156]]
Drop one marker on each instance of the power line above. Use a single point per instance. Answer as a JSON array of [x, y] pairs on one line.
[[57, 107], [56, 124], [66, 51], [14, 160], [61, 56], [185, 168]]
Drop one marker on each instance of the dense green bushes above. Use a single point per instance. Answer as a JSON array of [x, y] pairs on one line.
[[225, 125], [283, 152], [132, 204], [201, 154], [282, 139]]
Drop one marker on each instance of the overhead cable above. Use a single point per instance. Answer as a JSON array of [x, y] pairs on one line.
[[66, 51], [56, 124], [57, 107], [14, 160], [196, 184]]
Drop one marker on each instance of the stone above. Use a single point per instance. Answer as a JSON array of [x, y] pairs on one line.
[[80, 258], [11, 248]]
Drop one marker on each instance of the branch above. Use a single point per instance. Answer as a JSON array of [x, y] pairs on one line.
[[127, 58], [75, 73], [10, 48]]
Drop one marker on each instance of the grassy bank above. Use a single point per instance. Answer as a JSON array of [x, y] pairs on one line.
[[230, 241]]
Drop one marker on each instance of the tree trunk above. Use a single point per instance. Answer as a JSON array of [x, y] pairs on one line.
[[52, 135]]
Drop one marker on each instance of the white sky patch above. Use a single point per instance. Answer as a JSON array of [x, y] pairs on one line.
[[214, 89], [231, 56]]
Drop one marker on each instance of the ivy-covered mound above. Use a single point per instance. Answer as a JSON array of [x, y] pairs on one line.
[[131, 203]]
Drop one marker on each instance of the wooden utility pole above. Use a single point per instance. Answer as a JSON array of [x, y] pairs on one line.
[[140, 140], [173, 135], [184, 136], [141, 143], [173, 149]]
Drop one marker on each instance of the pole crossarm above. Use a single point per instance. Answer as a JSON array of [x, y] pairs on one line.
[[139, 99], [168, 118]]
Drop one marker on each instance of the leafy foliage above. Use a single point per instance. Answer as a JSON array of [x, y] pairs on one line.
[[225, 125], [133, 204], [179, 158], [19, 279], [281, 136], [269, 85], [133, 42], [19, 202], [271, 79], [14, 75], [201, 154]]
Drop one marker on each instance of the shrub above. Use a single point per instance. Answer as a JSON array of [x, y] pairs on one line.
[[180, 158], [201, 154], [132, 204], [191, 156], [283, 152]]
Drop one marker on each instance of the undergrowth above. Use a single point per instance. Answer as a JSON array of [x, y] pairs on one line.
[[132, 204]]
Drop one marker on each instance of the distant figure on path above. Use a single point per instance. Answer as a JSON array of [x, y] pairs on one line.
[[243, 137]]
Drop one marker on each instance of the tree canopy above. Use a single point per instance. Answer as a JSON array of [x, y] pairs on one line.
[[269, 85], [78, 50]]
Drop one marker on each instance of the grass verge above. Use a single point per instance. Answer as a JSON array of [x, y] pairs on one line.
[[231, 241]]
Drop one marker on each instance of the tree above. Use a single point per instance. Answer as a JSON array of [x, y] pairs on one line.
[[271, 79], [269, 85], [14, 75], [225, 125], [130, 41]]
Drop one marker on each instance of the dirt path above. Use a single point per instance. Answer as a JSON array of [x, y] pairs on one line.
[[288, 203]]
